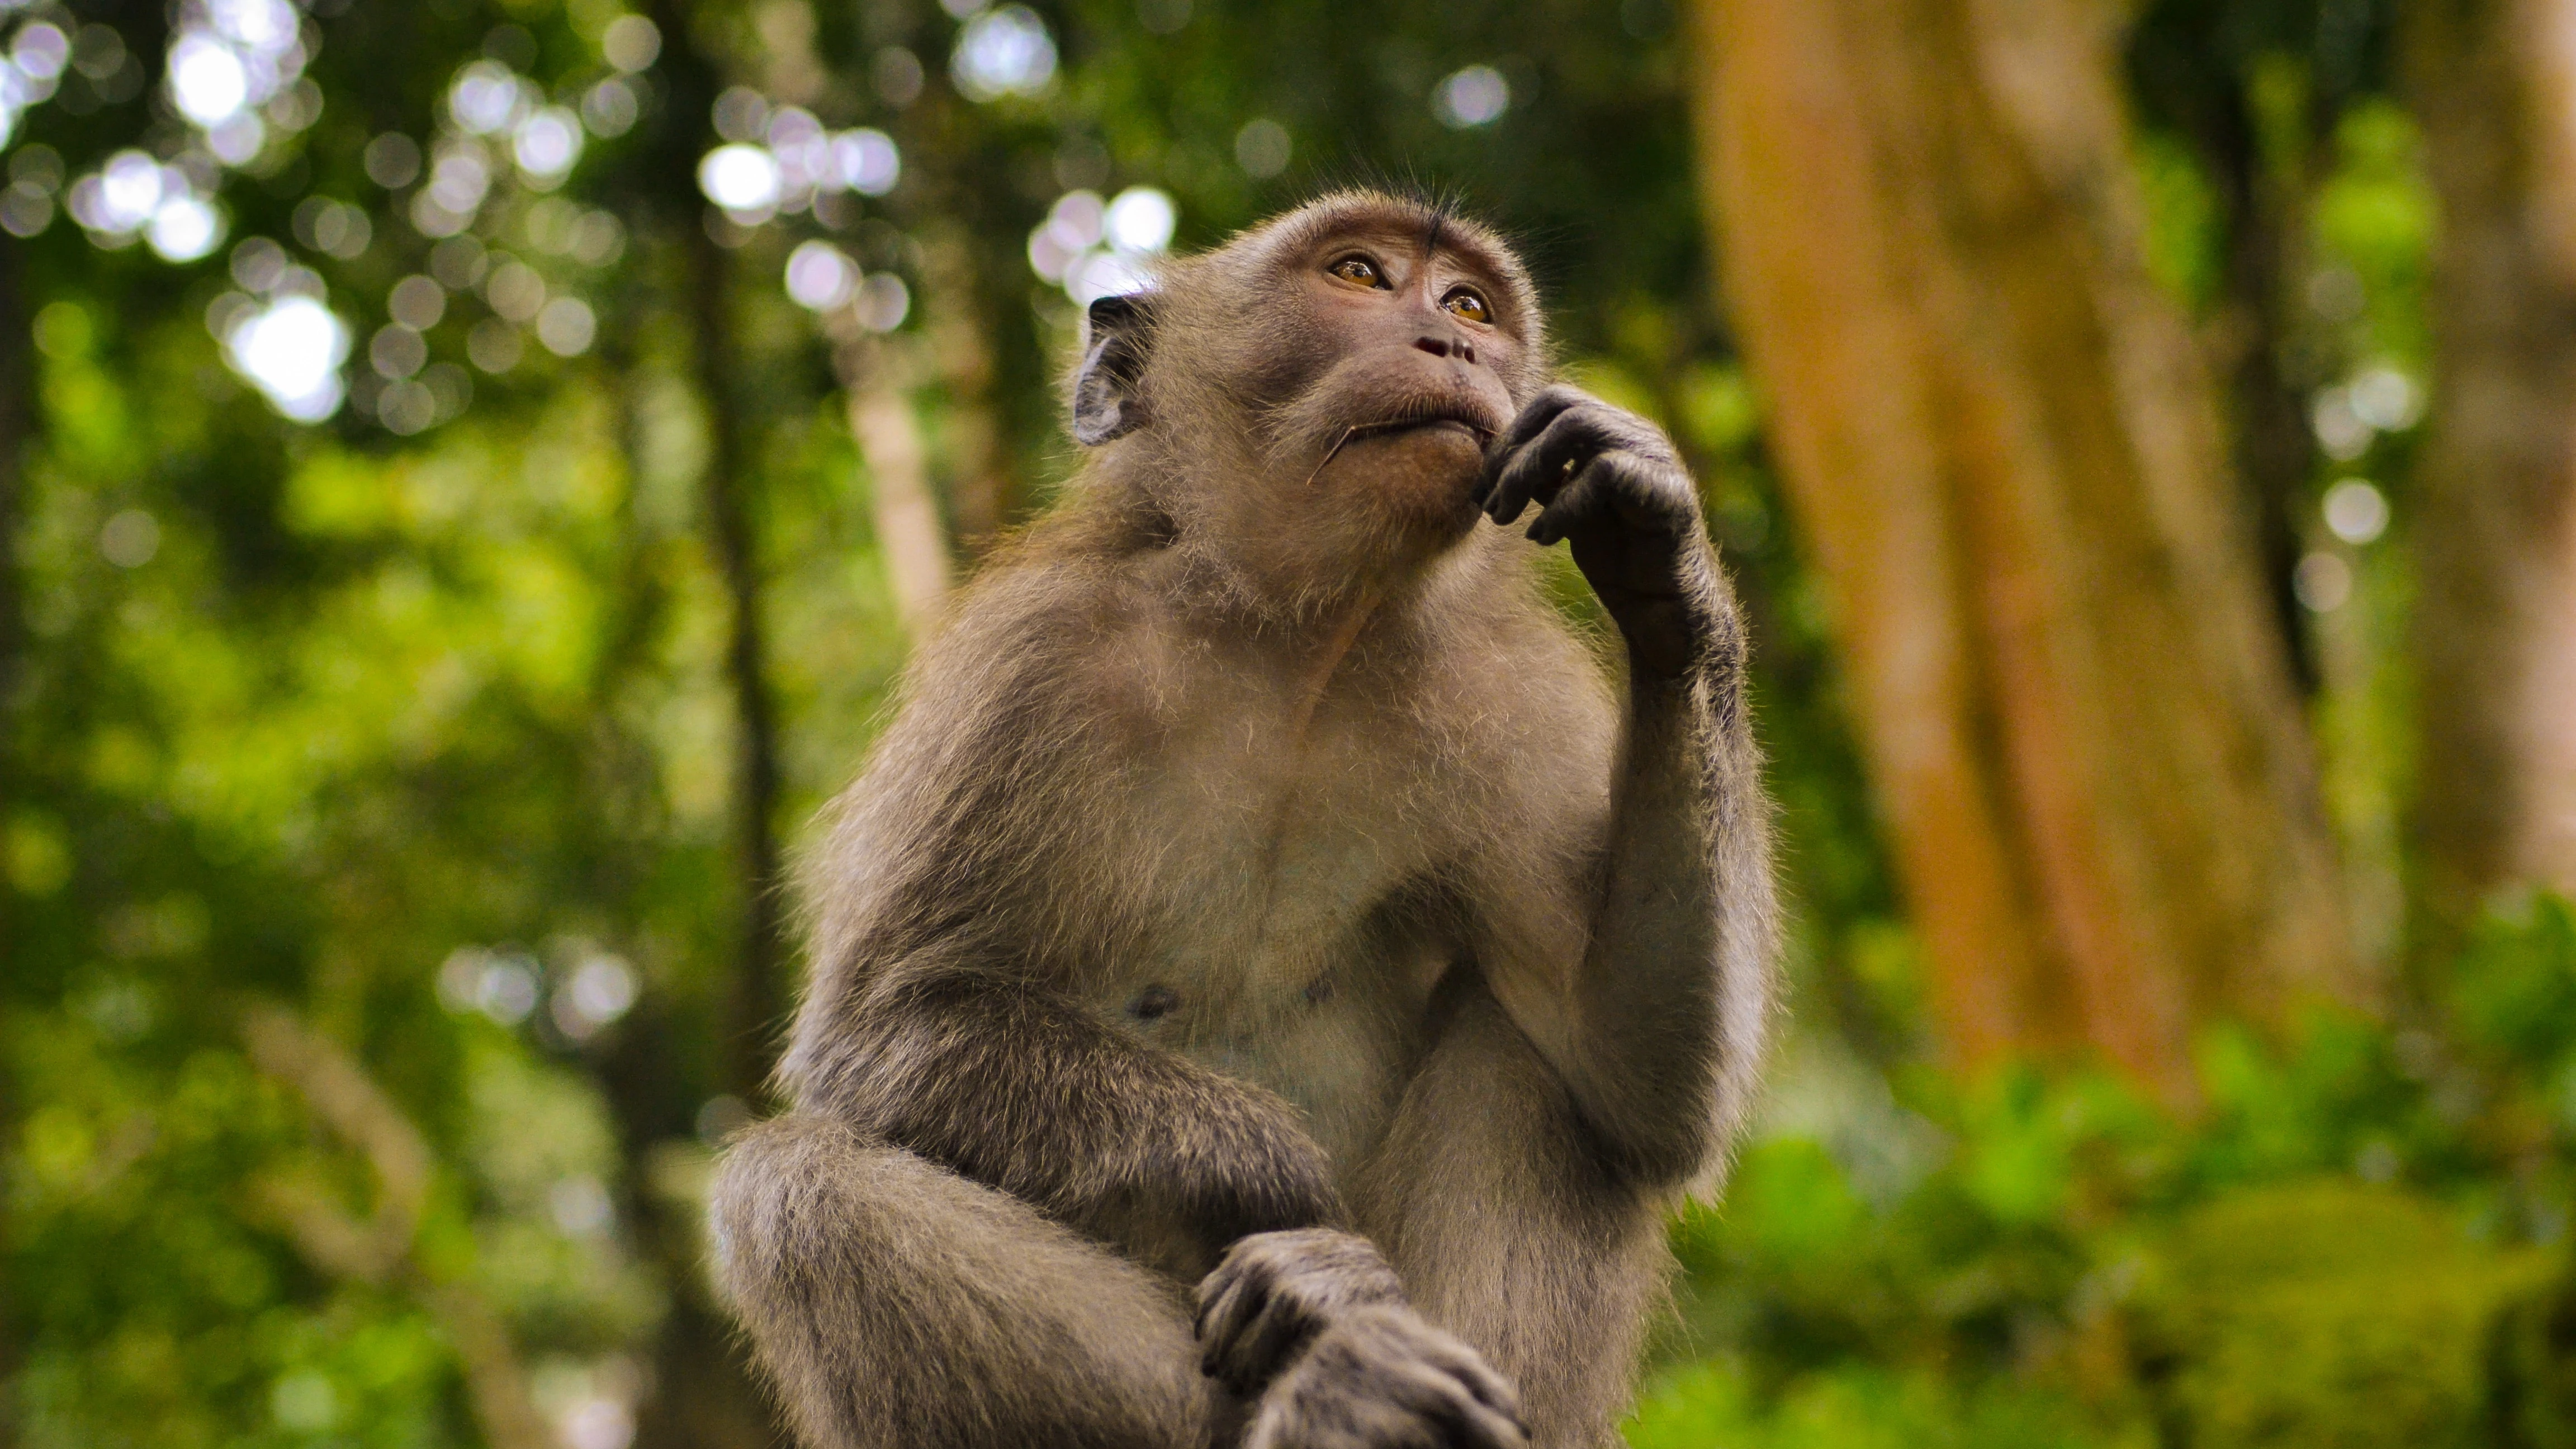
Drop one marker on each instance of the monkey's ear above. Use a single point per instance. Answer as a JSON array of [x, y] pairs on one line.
[[1117, 332]]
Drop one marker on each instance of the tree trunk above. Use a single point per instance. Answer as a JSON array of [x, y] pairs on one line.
[[382, 1248], [980, 490], [17, 437], [2495, 86], [2007, 461], [2275, 451], [873, 375], [758, 1006], [2188, 67], [876, 381], [701, 1392]]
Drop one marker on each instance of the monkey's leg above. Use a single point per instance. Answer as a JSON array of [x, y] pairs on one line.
[[895, 1303], [1508, 1231]]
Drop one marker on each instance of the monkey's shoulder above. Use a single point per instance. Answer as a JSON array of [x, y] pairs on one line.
[[1044, 642], [1074, 652]]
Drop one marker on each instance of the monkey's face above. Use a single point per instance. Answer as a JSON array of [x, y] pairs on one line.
[[1400, 381], [1344, 367]]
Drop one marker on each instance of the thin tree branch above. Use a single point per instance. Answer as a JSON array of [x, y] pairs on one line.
[[873, 378], [378, 1248]]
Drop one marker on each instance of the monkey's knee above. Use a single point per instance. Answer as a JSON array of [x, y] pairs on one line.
[[893, 1302]]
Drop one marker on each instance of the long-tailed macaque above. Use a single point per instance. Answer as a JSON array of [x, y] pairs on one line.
[[1269, 985]]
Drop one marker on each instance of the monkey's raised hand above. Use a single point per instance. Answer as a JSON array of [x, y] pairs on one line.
[[1611, 483], [1381, 1378]]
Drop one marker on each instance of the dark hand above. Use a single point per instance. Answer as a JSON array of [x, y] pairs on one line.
[[1381, 1378], [1275, 1292], [1611, 484]]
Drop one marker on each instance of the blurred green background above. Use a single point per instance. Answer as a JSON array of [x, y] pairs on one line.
[[472, 471]]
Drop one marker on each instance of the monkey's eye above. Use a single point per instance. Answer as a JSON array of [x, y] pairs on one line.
[[1358, 271], [1467, 303]]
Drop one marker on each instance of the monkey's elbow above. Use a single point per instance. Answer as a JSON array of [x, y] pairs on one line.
[[770, 1199], [741, 1207], [1658, 1157]]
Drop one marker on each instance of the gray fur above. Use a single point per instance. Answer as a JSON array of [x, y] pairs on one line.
[[1256, 867]]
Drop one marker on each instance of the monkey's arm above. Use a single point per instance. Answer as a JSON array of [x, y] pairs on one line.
[[1669, 1004], [1673, 993], [1012, 1085]]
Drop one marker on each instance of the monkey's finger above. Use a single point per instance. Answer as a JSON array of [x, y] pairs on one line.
[[1221, 1321], [1211, 1291], [1219, 1345], [1232, 1351], [1489, 1389], [1542, 411], [1469, 1421], [1640, 495], [1540, 420], [1538, 469], [1265, 1345], [1472, 1374], [1477, 1426], [1581, 498]]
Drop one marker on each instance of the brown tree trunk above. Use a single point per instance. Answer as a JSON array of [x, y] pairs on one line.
[[758, 1006], [980, 490], [2275, 451], [873, 375], [17, 437], [2495, 86], [701, 1393], [2006, 458], [383, 1247], [2187, 68], [876, 377]]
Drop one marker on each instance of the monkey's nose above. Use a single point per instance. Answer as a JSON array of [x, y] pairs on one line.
[[1457, 347]]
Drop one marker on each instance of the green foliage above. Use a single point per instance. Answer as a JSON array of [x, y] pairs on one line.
[[2323, 1255], [2515, 987], [2324, 1313], [2185, 235], [2374, 214], [1852, 1408]]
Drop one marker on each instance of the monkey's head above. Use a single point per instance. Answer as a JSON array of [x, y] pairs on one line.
[[1315, 397]]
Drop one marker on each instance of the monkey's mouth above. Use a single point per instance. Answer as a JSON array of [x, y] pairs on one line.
[[1478, 431], [1459, 418], [1440, 411]]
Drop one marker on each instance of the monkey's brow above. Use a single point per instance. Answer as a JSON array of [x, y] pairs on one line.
[[1404, 225], [1443, 239]]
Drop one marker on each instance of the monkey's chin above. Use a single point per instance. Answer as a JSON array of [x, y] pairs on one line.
[[1420, 479]]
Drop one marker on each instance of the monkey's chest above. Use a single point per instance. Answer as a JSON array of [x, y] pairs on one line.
[[1288, 945]]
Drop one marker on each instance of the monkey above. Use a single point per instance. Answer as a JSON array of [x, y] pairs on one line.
[[1273, 976]]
